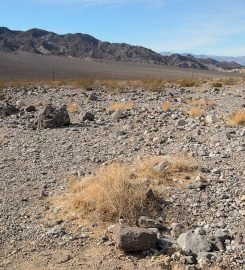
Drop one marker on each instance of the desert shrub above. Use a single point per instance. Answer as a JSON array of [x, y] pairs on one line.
[[237, 118], [72, 107], [189, 83], [217, 84], [121, 189], [113, 106], [196, 112], [108, 195], [165, 106]]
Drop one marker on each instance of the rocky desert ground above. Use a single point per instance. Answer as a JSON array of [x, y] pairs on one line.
[[189, 148]]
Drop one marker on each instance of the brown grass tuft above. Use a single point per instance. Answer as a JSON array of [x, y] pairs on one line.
[[120, 189], [72, 107], [105, 197], [237, 118], [165, 106], [196, 112], [113, 106]]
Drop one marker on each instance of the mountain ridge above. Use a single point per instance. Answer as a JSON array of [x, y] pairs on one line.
[[85, 46], [238, 59]]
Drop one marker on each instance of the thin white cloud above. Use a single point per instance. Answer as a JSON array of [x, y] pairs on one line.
[[89, 3]]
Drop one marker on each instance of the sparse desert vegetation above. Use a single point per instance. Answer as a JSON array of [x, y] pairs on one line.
[[166, 106], [196, 112], [117, 105], [72, 107], [112, 155], [237, 118], [120, 189]]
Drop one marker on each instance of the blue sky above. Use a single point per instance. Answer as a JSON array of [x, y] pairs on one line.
[[215, 27]]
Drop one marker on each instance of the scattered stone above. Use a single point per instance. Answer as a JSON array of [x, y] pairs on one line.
[[177, 229], [200, 182], [146, 222], [134, 238], [193, 243], [88, 116], [117, 115], [211, 118], [30, 108], [52, 117], [8, 110]]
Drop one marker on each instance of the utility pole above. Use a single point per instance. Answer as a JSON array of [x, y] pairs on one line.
[[53, 73]]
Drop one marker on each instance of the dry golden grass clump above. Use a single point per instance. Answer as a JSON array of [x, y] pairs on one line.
[[121, 189], [166, 106], [196, 112], [237, 118], [107, 196], [114, 106], [72, 107], [165, 169], [189, 83], [201, 102]]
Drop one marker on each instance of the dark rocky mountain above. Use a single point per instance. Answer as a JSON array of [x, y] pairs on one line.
[[87, 47]]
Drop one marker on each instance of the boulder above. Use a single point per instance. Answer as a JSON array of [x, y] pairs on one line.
[[133, 238], [7, 110], [52, 117], [193, 243]]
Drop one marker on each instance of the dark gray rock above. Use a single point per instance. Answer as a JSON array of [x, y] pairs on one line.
[[7, 110], [52, 117], [133, 238], [88, 116]]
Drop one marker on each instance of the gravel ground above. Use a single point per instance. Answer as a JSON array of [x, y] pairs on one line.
[[35, 164]]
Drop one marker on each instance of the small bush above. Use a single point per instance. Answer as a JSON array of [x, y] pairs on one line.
[[189, 83], [237, 118], [72, 107], [217, 84], [165, 106], [113, 106], [121, 189], [196, 112]]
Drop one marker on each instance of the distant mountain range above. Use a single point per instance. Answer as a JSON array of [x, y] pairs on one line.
[[238, 59], [87, 47]]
